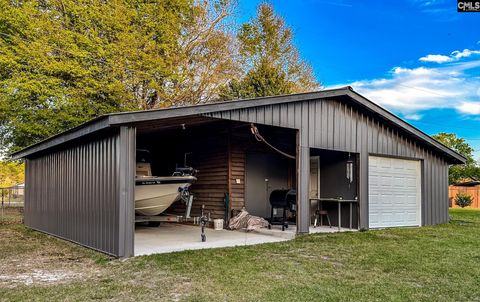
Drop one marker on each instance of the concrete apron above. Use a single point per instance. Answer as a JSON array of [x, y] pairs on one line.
[[172, 237]]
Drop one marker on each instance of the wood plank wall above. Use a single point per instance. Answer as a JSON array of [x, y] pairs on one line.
[[212, 178]]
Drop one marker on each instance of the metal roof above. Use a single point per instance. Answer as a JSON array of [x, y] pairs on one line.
[[118, 119]]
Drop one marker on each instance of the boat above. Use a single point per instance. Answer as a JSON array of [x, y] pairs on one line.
[[154, 194]]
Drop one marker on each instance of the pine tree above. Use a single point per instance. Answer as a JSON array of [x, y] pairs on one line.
[[273, 65]]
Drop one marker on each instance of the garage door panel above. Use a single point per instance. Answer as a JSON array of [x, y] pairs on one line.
[[394, 192]]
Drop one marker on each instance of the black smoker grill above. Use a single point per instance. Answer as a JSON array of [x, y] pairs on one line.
[[285, 200]]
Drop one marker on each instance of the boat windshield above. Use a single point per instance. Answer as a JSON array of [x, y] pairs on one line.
[[143, 156]]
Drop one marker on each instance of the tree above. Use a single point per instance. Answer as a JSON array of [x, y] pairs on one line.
[[63, 62], [459, 172], [272, 63], [11, 173]]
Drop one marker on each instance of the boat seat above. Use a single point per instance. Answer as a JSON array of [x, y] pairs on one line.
[[143, 169]]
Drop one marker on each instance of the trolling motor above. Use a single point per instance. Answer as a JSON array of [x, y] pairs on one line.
[[204, 218]]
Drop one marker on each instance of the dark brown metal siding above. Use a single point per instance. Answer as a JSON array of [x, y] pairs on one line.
[[73, 194], [334, 125]]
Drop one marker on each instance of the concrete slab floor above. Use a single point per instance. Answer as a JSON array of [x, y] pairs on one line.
[[291, 231], [172, 237]]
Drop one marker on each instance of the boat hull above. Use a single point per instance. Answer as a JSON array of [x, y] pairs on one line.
[[153, 195]]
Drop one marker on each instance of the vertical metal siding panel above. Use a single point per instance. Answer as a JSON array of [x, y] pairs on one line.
[[260, 115], [370, 125], [341, 127], [397, 143], [425, 189], [348, 128], [126, 225], [390, 141], [363, 186], [252, 114], [324, 125], [268, 115], [440, 200], [436, 187], [336, 125], [445, 188], [290, 118], [383, 146], [380, 139], [311, 126], [27, 191], [434, 192], [69, 193], [243, 114], [283, 114], [331, 125], [317, 123], [374, 131], [353, 130], [276, 115], [428, 187]]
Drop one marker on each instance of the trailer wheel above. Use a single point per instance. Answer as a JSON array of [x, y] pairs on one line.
[[154, 224]]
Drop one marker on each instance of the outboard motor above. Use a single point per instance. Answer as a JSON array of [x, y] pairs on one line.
[[185, 171]]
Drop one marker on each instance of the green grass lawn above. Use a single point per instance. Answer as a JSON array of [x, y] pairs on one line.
[[438, 263]]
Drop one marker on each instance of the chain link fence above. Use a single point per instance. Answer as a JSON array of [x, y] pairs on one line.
[[11, 204], [13, 196]]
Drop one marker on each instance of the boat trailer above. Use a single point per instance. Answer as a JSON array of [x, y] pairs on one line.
[[187, 198]]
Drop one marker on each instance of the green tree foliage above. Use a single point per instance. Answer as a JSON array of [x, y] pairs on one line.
[[63, 62], [11, 173], [458, 172], [271, 61]]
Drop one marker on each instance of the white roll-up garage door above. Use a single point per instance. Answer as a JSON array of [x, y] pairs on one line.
[[394, 192]]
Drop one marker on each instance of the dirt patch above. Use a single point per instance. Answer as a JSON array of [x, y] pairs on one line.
[[46, 267], [38, 277], [28, 258], [11, 215]]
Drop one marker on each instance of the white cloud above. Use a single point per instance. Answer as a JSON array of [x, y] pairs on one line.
[[454, 56], [413, 116], [409, 91], [436, 58], [472, 108], [465, 53]]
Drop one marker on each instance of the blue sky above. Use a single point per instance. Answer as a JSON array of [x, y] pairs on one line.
[[418, 59]]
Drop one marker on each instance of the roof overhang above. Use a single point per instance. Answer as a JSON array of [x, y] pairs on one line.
[[132, 118]]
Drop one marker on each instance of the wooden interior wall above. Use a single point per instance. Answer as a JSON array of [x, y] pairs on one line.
[[237, 176], [472, 191]]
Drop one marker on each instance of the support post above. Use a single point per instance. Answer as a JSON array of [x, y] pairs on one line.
[[363, 191], [126, 200], [303, 174]]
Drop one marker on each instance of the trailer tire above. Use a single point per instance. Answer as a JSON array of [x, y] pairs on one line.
[[154, 224]]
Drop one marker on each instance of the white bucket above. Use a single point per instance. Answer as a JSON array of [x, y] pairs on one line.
[[218, 224]]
